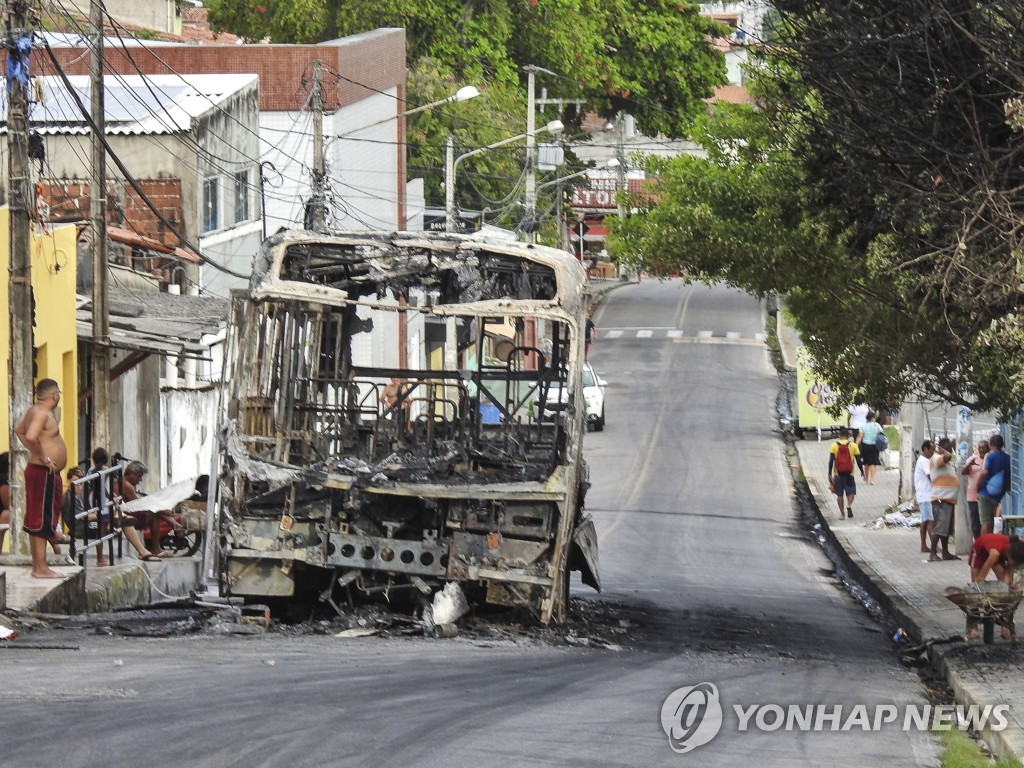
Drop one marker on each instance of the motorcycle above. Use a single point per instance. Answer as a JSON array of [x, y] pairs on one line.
[[187, 500]]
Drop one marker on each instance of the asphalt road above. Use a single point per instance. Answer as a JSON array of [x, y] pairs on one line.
[[702, 559]]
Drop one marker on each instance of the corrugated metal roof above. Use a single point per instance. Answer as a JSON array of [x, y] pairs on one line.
[[152, 321], [133, 104]]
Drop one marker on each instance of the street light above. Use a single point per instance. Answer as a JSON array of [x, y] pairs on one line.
[[465, 93], [318, 202], [452, 162], [612, 163]]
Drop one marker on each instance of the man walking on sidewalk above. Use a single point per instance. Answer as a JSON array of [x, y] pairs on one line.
[[945, 489], [923, 491], [841, 457]]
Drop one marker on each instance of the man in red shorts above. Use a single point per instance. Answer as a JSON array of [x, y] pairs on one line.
[[40, 434], [998, 553]]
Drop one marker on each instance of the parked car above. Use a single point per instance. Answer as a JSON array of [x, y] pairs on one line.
[[593, 397]]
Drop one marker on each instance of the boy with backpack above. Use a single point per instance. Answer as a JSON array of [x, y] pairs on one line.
[[841, 457]]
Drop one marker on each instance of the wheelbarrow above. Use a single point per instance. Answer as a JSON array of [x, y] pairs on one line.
[[987, 603]]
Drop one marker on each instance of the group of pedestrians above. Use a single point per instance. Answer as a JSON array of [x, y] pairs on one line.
[[936, 487], [39, 432], [860, 447]]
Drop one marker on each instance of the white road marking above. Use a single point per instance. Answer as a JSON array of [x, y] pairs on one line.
[[644, 334], [612, 334], [703, 334], [675, 334], [733, 335]]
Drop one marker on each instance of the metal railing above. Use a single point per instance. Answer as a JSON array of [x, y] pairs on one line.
[[97, 511]]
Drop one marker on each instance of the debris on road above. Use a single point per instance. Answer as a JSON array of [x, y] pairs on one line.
[[357, 632], [448, 607]]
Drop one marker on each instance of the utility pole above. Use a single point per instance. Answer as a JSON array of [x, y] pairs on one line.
[[319, 173], [100, 359], [531, 151], [19, 200], [449, 184]]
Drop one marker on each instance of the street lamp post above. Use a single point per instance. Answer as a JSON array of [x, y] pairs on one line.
[[451, 162], [612, 163], [465, 93]]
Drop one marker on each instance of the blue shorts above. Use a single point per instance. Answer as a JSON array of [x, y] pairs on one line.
[[925, 508], [844, 484]]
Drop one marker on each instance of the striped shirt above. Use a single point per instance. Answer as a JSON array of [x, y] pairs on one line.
[[945, 481]]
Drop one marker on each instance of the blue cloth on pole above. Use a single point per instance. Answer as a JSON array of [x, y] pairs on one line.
[[18, 61]]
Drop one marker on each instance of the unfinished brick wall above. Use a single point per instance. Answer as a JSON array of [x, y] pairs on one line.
[[69, 201]]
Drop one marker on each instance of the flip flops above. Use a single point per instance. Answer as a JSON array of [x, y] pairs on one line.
[[149, 557]]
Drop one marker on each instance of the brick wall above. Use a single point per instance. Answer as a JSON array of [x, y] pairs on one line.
[[374, 61], [69, 201]]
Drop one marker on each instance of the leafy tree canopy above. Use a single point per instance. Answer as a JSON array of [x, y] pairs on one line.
[[879, 187], [650, 58]]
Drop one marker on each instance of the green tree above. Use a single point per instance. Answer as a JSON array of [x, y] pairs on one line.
[[879, 187], [650, 58]]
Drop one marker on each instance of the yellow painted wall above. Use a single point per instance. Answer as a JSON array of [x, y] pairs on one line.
[[55, 336]]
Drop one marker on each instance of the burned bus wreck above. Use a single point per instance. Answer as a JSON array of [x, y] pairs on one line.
[[383, 424]]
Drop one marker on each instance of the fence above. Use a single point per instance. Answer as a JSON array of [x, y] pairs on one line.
[[94, 507]]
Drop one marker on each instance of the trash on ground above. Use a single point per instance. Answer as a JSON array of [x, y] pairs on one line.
[[448, 607], [905, 515], [357, 632], [7, 634]]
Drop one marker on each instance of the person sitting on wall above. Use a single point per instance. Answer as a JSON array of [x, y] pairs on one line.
[[127, 490], [93, 495]]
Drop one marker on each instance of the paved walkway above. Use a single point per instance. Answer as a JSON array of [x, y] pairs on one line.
[[888, 563]]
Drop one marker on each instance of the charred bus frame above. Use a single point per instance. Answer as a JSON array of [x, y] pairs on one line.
[[383, 425]]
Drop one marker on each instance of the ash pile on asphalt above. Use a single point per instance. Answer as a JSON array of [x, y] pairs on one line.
[[589, 624]]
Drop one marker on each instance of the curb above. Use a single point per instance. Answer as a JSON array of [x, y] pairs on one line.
[[1008, 741]]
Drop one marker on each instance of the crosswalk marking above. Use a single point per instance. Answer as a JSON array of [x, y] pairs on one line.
[[678, 335]]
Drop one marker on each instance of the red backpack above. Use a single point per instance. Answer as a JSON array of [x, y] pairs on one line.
[[844, 458]]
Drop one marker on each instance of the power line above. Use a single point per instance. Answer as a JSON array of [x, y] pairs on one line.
[[130, 178]]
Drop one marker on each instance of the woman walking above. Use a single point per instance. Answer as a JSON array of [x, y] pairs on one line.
[[866, 442]]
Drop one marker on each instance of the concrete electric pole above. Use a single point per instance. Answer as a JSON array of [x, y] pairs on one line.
[[20, 207], [100, 358], [319, 171]]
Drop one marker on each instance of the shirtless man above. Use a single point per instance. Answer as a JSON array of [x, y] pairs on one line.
[[40, 434]]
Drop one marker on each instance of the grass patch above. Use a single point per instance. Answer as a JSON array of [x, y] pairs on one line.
[[772, 340], [960, 752]]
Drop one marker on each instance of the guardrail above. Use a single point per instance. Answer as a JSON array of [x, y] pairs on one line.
[[95, 510]]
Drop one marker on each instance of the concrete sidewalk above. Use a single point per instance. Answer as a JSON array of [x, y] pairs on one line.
[[129, 583], [888, 564]]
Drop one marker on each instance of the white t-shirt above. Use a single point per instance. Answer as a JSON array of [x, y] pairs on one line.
[[922, 480], [858, 415]]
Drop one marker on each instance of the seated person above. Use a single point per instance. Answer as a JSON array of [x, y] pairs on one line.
[[127, 490], [74, 505]]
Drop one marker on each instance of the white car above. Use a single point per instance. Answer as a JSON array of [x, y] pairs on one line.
[[593, 397]]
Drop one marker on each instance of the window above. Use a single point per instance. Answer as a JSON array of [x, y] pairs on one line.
[[211, 204], [243, 196]]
